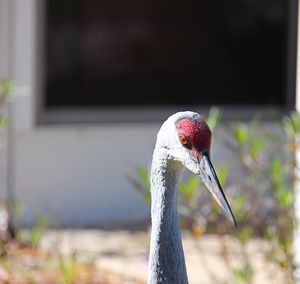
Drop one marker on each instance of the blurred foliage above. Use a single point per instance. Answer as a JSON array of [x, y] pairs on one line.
[[259, 185], [214, 117], [5, 89], [24, 264], [67, 270], [142, 184], [34, 235]]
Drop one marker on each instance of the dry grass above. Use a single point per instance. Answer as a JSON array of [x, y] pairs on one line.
[[25, 264]]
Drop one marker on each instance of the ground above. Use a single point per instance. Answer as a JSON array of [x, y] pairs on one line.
[[115, 257]]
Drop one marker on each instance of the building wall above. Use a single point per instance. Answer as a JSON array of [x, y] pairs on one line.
[[4, 42], [76, 174], [4, 73], [79, 174]]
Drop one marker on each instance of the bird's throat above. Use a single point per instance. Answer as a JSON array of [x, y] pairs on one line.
[[166, 262]]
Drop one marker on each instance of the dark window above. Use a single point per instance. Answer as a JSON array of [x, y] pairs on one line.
[[171, 52]]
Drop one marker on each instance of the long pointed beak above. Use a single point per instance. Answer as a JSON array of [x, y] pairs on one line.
[[210, 179]]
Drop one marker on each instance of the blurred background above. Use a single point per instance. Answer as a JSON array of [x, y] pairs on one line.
[[84, 88]]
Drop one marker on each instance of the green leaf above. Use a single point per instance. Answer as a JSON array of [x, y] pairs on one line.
[[295, 121], [244, 274], [4, 121], [270, 231], [257, 146], [214, 117], [144, 175], [37, 231], [222, 173], [189, 187], [241, 133], [291, 124], [5, 89], [276, 171], [239, 203], [285, 197], [245, 234]]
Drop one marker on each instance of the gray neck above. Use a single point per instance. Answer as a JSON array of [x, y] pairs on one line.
[[166, 262]]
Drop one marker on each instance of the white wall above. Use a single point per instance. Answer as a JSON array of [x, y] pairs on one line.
[[78, 174]]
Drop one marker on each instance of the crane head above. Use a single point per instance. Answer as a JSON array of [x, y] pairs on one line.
[[187, 138]]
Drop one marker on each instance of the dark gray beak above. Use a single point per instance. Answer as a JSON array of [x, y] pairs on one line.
[[210, 179]]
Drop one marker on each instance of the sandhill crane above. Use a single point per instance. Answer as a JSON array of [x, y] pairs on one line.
[[182, 141]]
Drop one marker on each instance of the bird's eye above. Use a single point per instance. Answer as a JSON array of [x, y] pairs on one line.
[[183, 139]]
